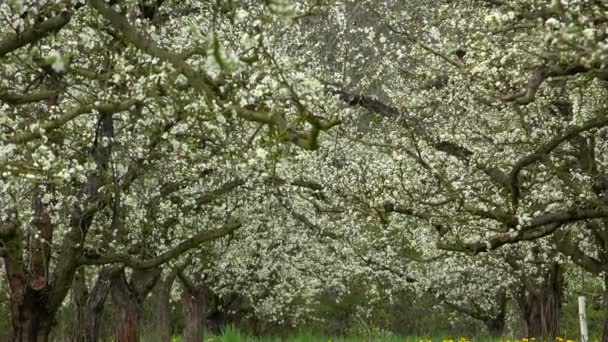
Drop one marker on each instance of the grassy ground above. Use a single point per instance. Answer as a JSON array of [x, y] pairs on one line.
[[232, 335]]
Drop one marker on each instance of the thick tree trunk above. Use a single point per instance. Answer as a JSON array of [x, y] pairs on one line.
[[495, 327], [29, 292], [128, 299], [196, 307], [36, 293], [541, 306], [161, 295], [128, 319], [196, 303], [31, 322], [90, 306]]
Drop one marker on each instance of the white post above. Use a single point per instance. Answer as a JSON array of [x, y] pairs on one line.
[[582, 314]]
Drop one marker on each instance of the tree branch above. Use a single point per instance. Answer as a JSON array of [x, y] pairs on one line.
[[17, 99], [545, 149], [51, 125], [387, 111], [537, 78], [15, 41], [184, 246], [200, 81], [569, 248], [539, 227]]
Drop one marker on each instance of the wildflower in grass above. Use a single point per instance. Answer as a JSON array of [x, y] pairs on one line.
[[570, 340], [525, 339], [559, 339]]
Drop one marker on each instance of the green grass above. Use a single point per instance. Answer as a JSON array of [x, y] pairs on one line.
[[233, 335]]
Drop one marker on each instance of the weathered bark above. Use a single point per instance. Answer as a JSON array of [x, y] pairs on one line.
[[128, 298], [80, 293], [541, 304], [196, 302], [31, 321], [161, 295], [195, 305], [90, 306], [31, 315], [34, 298]]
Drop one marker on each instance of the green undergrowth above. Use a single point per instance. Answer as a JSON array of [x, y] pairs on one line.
[[233, 335]]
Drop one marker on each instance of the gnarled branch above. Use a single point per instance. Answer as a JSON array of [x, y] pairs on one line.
[[181, 248]]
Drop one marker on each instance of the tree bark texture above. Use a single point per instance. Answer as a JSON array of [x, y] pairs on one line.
[[90, 305], [541, 305], [128, 299]]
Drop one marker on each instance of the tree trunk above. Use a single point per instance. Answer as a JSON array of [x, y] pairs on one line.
[[128, 318], [495, 327], [128, 299], [161, 295], [31, 322], [196, 303], [541, 306], [90, 306], [195, 306], [31, 317], [36, 293]]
